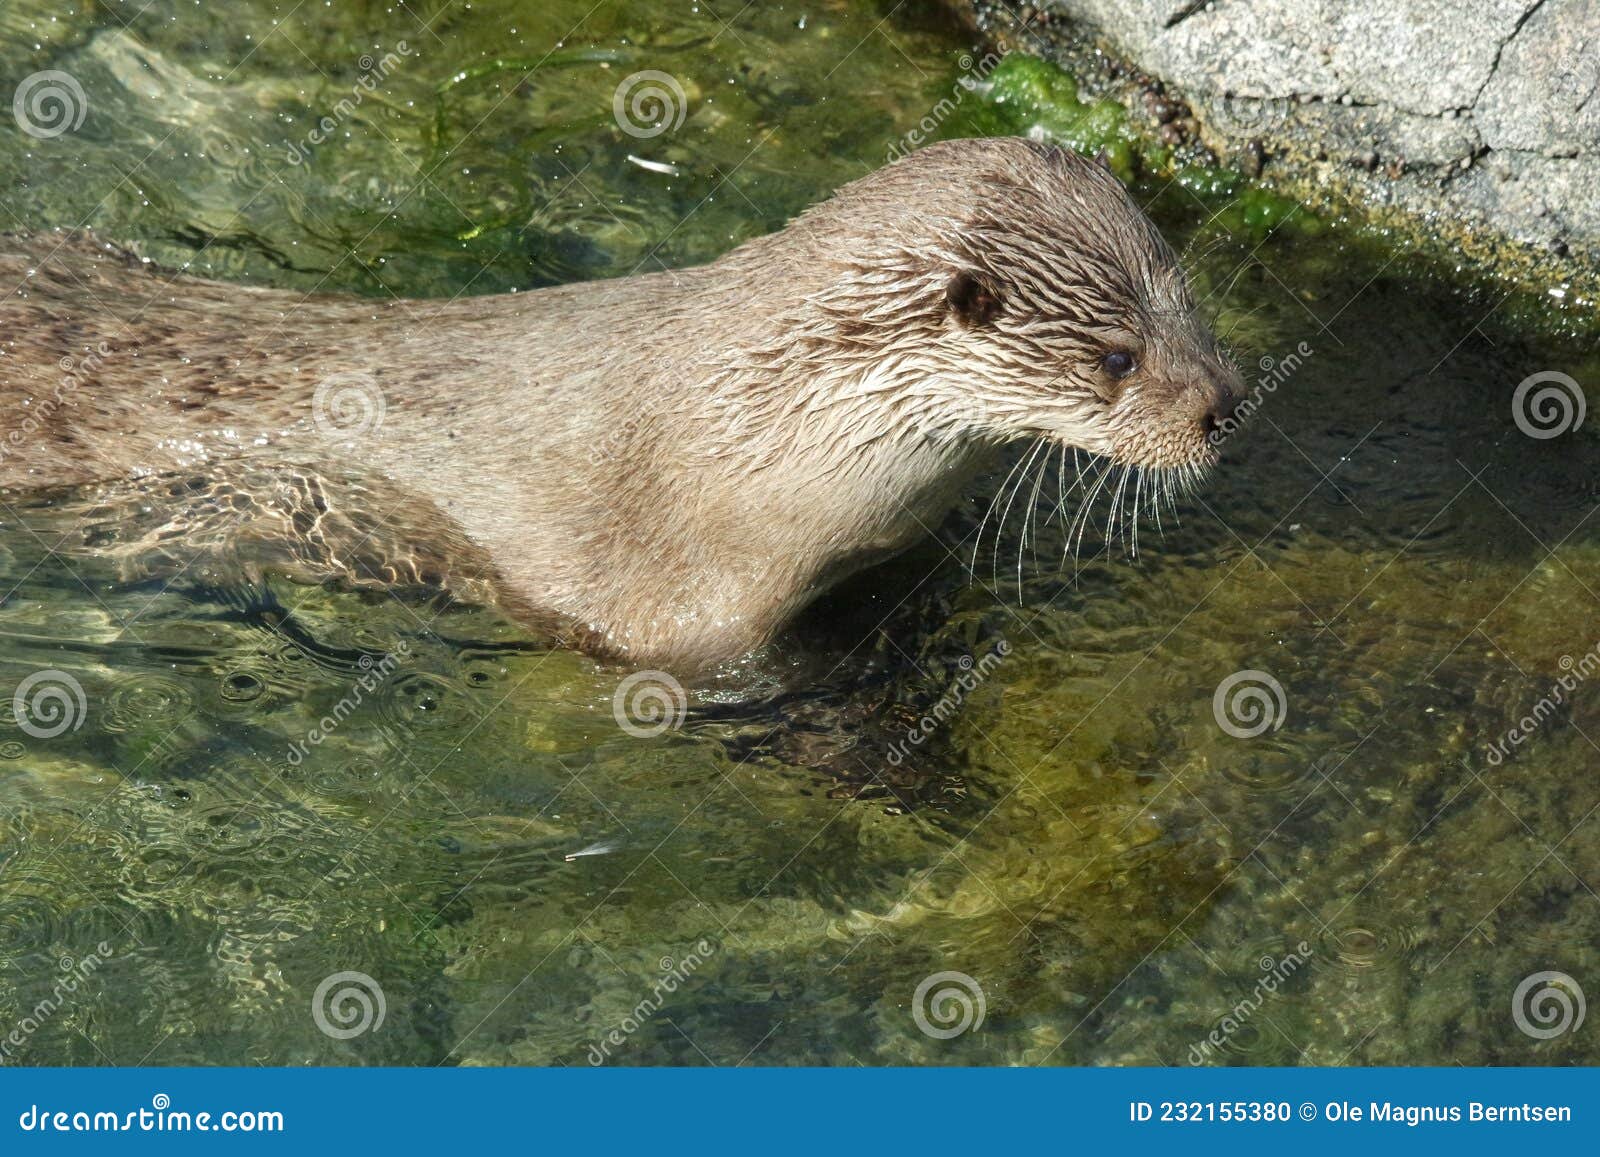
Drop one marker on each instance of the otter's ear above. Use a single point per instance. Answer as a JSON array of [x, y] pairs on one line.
[[972, 300]]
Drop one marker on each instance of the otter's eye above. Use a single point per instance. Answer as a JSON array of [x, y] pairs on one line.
[[1119, 363]]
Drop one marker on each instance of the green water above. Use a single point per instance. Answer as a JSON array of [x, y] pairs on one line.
[[1078, 836]]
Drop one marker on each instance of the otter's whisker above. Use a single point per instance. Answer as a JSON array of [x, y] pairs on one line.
[[1030, 533], [1138, 510], [1208, 245], [1028, 516], [1113, 504], [1085, 480], [1025, 463], [1078, 483], [1158, 487], [1131, 527], [1112, 493], [1080, 521], [1061, 483], [994, 501], [1226, 289], [1122, 506], [1237, 320], [1220, 238], [1130, 513]]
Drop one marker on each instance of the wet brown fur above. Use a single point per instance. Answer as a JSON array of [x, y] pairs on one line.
[[673, 463]]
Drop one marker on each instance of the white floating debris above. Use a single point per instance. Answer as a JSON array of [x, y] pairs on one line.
[[654, 166], [600, 848]]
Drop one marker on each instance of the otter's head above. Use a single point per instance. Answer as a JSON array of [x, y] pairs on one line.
[[1032, 298]]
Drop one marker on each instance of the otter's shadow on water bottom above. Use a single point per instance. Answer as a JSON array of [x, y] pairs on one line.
[[872, 678]]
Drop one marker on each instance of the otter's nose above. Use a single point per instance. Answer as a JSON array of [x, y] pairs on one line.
[[1224, 400]]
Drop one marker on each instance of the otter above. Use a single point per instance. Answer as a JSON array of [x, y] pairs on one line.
[[670, 465]]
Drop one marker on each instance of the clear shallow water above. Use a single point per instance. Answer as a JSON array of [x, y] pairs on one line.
[[1109, 866]]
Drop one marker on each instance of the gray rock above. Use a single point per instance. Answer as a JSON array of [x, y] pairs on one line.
[[1482, 111], [1542, 96]]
